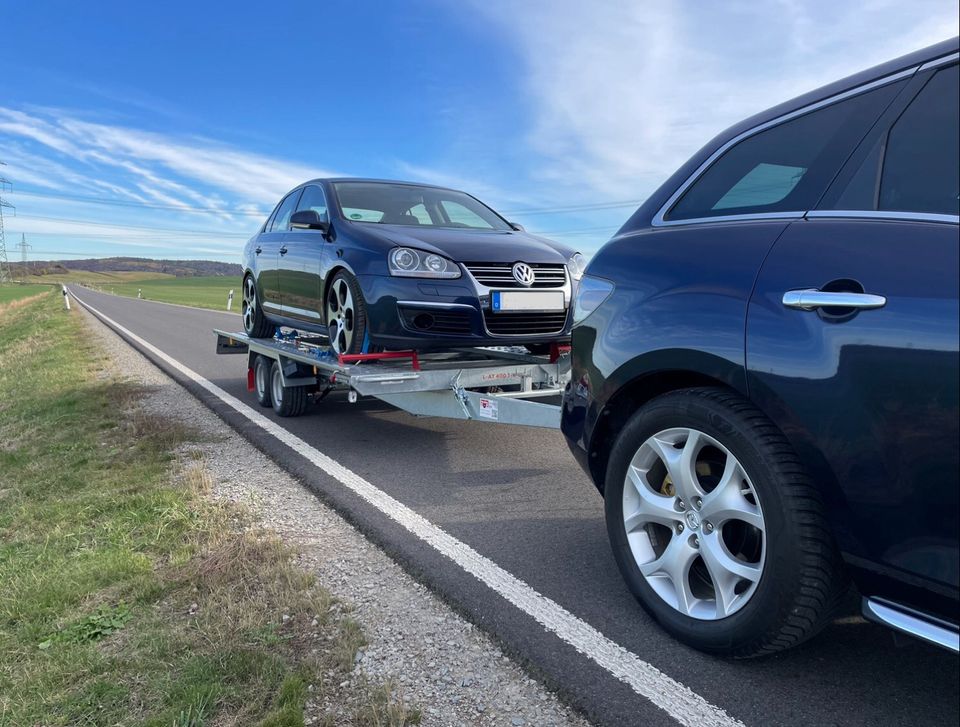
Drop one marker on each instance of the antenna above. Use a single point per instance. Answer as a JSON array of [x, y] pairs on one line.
[[4, 264]]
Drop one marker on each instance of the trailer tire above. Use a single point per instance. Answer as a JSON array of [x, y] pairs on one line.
[[287, 401], [261, 380]]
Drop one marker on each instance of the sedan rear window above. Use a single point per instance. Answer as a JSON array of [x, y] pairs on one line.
[[407, 204]]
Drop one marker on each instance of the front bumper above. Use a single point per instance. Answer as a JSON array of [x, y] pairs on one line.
[[424, 313]]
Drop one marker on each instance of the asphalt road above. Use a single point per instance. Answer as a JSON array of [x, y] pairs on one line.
[[516, 496]]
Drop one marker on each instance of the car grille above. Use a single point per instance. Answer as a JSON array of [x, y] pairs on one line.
[[437, 320], [520, 324], [500, 275]]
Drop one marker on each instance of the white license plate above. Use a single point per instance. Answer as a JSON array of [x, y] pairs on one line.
[[538, 300]]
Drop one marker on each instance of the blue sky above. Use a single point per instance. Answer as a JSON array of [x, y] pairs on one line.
[[170, 129]]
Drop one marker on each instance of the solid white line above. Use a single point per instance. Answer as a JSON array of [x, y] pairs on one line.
[[680, 702]]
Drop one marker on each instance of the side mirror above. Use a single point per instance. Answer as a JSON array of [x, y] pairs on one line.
[[308, 220], [518, 227]]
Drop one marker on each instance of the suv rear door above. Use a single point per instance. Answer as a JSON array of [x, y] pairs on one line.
[[869, 395]]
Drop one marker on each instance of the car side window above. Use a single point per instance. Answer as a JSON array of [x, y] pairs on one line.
[[314, 199], [281, 220], [920, 172], [787, 167]]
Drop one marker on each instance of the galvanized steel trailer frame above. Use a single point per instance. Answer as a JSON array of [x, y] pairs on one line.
[[465, 384]]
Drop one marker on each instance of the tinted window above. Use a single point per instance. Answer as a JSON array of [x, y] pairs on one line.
[[281, 218], [785, 168], [921, 167], [313, 199]]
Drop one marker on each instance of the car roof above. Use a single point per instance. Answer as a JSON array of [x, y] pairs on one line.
[[368, 180]]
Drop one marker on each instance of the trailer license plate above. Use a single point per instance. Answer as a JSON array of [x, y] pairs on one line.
[[529, 300]]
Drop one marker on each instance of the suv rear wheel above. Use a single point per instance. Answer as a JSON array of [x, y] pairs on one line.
[[715, 527]]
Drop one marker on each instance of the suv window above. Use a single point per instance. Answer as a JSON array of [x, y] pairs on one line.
[[920, 169], [313, 199], [785, 168], [281, 218]]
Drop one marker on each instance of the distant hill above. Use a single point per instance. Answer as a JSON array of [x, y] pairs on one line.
[[177, 268]]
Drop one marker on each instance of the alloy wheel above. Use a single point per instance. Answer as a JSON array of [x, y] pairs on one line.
[[249, 307], [340, 315], [694, 523]]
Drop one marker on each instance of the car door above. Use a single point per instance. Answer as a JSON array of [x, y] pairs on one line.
[[852, 345], [267, 252], [301, 263]]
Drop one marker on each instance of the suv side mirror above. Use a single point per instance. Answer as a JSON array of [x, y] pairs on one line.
[[518, 227], [308, 220]]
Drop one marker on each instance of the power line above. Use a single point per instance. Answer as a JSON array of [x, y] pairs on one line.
[[4, 263]]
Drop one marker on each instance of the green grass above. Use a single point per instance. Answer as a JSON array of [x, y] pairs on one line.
[[15, 291], [202, 291], [128, 596], [94, 278]]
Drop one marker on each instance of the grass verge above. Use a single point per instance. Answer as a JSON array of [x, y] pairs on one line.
[[128, 596], [15, 291]]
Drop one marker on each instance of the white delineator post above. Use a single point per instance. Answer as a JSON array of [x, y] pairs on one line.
[[230, 300], [139, 292], [66, 297]]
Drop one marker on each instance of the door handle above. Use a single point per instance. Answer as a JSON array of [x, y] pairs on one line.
[[283, 250], [811, 299], [258, 250]]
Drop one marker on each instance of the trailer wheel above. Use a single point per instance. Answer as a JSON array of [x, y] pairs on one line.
[[288, 401], [261, 380]]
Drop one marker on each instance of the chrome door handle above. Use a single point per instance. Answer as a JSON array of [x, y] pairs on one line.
[[811, 299], [283, 250]]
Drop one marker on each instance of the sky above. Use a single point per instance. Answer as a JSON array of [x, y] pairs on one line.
[[171, 129]]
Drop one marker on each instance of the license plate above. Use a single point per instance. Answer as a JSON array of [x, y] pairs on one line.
[[529, 300]]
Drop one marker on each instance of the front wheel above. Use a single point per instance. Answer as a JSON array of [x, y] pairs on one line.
[[715, 527], [346, 314]]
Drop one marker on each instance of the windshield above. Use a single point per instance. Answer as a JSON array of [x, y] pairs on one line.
[[407, 204]]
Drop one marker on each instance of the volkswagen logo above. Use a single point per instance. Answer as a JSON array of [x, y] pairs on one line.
[[524, 274]]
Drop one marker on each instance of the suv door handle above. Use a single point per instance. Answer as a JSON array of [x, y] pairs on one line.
[[258, 250], [811, 299], [283, 250]]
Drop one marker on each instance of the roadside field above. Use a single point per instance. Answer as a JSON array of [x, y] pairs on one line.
[[201, 292], [92, 278], [10, 293], [129, 596]]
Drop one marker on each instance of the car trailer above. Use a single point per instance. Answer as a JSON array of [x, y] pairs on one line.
[[493, 385]]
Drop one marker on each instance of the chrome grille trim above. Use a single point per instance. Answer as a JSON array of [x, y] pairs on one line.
[[500, 275]]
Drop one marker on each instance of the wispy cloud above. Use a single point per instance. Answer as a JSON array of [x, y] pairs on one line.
[[623, 92]]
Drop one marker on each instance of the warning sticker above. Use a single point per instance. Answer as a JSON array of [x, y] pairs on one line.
[[488, 408]]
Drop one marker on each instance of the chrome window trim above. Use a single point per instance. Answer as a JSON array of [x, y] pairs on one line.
[[436, 305], [886, 215], [658, 219], [940, 62]]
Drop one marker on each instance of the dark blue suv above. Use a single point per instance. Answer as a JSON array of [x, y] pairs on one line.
[[765, 383]]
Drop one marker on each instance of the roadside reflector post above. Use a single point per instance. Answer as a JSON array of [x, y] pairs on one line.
[[66, 297], [230, 300], [140, 292]]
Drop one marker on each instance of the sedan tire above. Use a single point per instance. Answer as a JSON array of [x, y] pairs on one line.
[[716, 528], [346, 314], [255, 324]]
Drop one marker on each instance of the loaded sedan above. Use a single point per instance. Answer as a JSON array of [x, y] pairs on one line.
[[377, 264]]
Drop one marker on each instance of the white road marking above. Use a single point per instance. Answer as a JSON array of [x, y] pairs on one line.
[[677, 700]]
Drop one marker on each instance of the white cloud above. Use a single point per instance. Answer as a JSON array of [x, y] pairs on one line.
[[623, 92]]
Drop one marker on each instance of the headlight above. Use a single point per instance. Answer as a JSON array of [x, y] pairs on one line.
[[406, 262], [577, 264], [590, 294]]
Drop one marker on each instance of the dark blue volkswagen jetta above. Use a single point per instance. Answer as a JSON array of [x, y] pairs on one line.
[[765, 370], [403, 265]]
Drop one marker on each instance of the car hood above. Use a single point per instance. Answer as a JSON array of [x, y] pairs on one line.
[[493, 246]]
